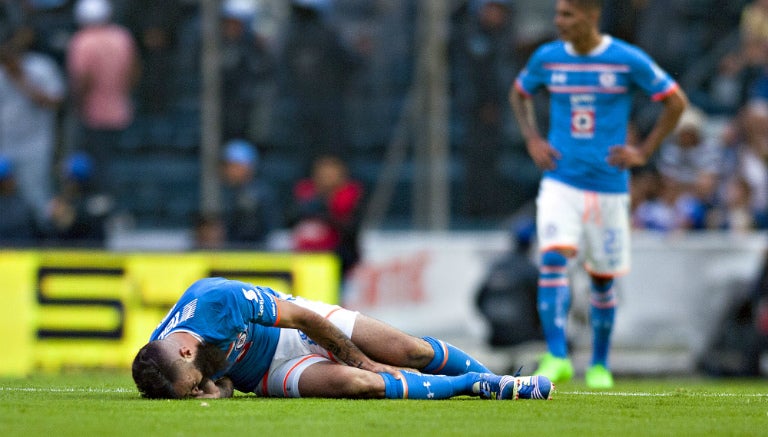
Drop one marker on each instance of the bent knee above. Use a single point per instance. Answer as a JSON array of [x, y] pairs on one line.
[[417, 353]]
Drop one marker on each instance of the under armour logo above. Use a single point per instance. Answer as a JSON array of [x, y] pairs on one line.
[[427, 385]]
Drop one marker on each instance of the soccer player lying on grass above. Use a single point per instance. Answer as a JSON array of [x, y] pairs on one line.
[[224, 335]]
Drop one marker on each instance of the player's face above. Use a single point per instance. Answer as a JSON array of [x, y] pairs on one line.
[[572, 22], [208, 361], [188, 382]]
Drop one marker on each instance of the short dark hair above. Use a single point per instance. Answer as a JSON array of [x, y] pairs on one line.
[[154, 373], [588, 4]]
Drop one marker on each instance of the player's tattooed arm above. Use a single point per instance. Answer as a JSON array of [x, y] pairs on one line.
[[327, 335], [342, 348]]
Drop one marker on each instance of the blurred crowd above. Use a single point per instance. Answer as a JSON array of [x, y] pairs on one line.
[[711, 172], [311, 94]]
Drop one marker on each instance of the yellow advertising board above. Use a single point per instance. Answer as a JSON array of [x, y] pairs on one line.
[[81, 308]]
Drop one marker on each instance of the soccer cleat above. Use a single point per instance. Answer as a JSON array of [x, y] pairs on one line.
[[503, 387], [555, 368], [598, 376], [533, 387]]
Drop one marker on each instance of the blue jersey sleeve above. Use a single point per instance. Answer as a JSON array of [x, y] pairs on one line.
[[649, 77], [533, 76]]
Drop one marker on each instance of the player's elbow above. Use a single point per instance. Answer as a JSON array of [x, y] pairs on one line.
[[677, 102]]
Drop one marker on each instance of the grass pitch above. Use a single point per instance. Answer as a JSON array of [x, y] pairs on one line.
[[99, 403]]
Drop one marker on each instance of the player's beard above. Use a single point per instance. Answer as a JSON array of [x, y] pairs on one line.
[[210, 360]]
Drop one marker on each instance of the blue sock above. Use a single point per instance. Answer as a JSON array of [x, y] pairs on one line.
[[450, 360], [554, 301], [420, 386], [602, 313]]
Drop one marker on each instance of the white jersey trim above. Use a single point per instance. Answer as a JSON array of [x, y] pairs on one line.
[[605, 41]]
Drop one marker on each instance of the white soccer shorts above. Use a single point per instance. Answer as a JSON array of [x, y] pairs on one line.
[[598, 223], [295, 351]]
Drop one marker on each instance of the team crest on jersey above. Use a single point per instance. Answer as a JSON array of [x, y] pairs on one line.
[[583, 122], [241, 340], [239, 347], [608, 80]]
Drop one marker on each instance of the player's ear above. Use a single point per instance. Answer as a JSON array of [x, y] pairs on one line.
[[185, 352]]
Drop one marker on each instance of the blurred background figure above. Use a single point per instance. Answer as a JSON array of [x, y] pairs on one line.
[[53, 23], [688, 155], [79, 214], [314, 72], [666, 206], [483, 57], [327, 209], [250, 210], [689, 161], [507, 296], [247, 68], [11, 17], [17, 220], [103, 68], [738, 214], [154, 26], [31, 89], [208, 232], [741, 164], [754, 21]]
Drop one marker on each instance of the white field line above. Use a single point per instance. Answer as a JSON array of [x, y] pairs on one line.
[[66, 390], [579, 393], [661, 395]]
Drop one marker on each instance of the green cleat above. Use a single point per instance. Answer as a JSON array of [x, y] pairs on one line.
[[598, 377], [558, 370]]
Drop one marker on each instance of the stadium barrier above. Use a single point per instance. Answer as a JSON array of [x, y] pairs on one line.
[[81, 308], [670, 305], [65, 308]]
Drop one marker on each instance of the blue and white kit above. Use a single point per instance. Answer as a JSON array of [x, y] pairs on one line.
[[590, 102], [240, 319], [584, 197]]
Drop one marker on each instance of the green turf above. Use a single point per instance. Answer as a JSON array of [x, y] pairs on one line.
[[105, 403]]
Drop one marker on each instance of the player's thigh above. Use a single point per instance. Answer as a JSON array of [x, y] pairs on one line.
[[378, 340], [608, 238], [559, 216], [389, 345], [326, 379]]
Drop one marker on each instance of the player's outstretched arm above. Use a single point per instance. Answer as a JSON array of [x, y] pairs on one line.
[[327, 335]]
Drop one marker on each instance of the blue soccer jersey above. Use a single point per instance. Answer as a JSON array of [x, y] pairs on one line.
[[590, 102], [238, 317]]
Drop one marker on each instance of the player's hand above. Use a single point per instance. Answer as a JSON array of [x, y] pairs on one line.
[[206, 390], [626, 156], [384, 368], [543, 154]]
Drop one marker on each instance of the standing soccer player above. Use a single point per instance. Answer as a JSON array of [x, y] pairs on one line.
[[583, 200]]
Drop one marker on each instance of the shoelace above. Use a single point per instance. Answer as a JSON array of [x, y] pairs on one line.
[[518, 372]]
